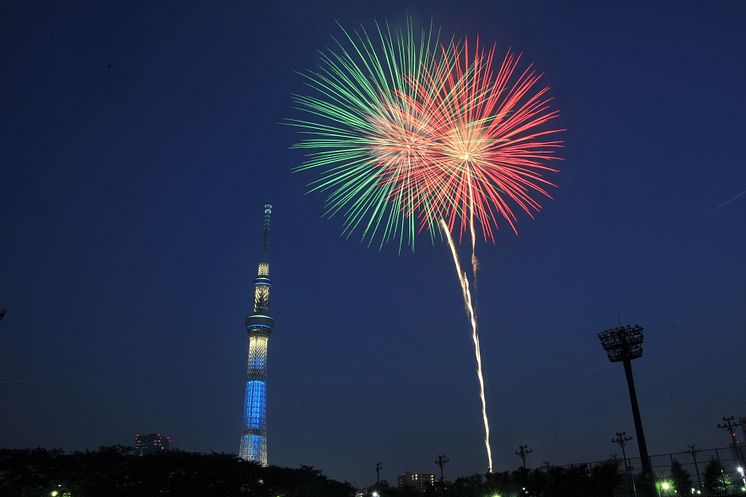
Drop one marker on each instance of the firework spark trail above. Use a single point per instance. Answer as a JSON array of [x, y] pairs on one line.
[[463, 279]]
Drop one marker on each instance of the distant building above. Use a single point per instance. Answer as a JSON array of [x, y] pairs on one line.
[[152, 443], [417, 481]]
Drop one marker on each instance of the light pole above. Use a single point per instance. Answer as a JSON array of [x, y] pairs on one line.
[[624, 344], [378, 472], [740, 471]]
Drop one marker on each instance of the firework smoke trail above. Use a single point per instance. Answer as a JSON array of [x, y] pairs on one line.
[[464, 280], [474, 260]]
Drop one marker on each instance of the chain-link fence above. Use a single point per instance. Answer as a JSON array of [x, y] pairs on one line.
[[711, 472]]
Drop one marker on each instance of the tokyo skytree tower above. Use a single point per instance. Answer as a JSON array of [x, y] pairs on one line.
[[259, 326]]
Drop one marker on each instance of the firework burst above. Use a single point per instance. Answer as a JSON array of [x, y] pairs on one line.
[[411, 135], [370, 138], [493, 143], [404, 137]]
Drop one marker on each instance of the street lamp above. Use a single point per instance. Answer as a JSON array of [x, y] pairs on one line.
[[624, 344], [664, 487]]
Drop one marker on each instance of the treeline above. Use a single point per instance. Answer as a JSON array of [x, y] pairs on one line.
[[605, 479], [599, 481], [116, 471]]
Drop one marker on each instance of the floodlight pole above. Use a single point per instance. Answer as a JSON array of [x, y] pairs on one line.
[[645, 459], [623, 344]]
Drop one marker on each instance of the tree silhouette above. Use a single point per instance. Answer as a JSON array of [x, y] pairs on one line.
[[715, 479], [682, 480], [116, 471]]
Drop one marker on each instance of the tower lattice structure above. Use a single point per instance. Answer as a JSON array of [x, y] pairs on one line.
[[259, 326]]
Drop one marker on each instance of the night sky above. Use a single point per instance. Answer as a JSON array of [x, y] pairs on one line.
[[139, 140]]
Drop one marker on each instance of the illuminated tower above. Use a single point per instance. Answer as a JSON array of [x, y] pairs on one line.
[[259, 325]]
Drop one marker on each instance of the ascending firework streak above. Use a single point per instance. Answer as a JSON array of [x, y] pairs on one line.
[[412, 135], [464, 280]]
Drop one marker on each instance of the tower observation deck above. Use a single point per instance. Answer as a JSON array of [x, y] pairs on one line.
[[259, 326]]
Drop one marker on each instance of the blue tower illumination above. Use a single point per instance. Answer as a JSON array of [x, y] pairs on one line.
[[259, 326]]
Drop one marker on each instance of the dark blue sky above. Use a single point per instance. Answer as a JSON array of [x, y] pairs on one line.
[[138, 141]]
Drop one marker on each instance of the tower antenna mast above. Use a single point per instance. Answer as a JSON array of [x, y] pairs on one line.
[[265, 236], [259, 325]]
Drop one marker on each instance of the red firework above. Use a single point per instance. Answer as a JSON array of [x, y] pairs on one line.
[[489, 141]]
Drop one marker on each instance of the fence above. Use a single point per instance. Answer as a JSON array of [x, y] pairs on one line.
[[730, 458]]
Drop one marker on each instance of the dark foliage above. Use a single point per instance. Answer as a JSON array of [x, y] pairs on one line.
[[682, 480], [575, 481], [716, 480], [116, 471]]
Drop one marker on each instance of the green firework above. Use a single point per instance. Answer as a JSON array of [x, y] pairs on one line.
[[362, 133]]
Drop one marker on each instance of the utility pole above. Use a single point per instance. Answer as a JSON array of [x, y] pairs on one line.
[[621, 440], [547, 466], [729, 425], [693, 451], [522, 452], [441, 462], [379, 466]]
